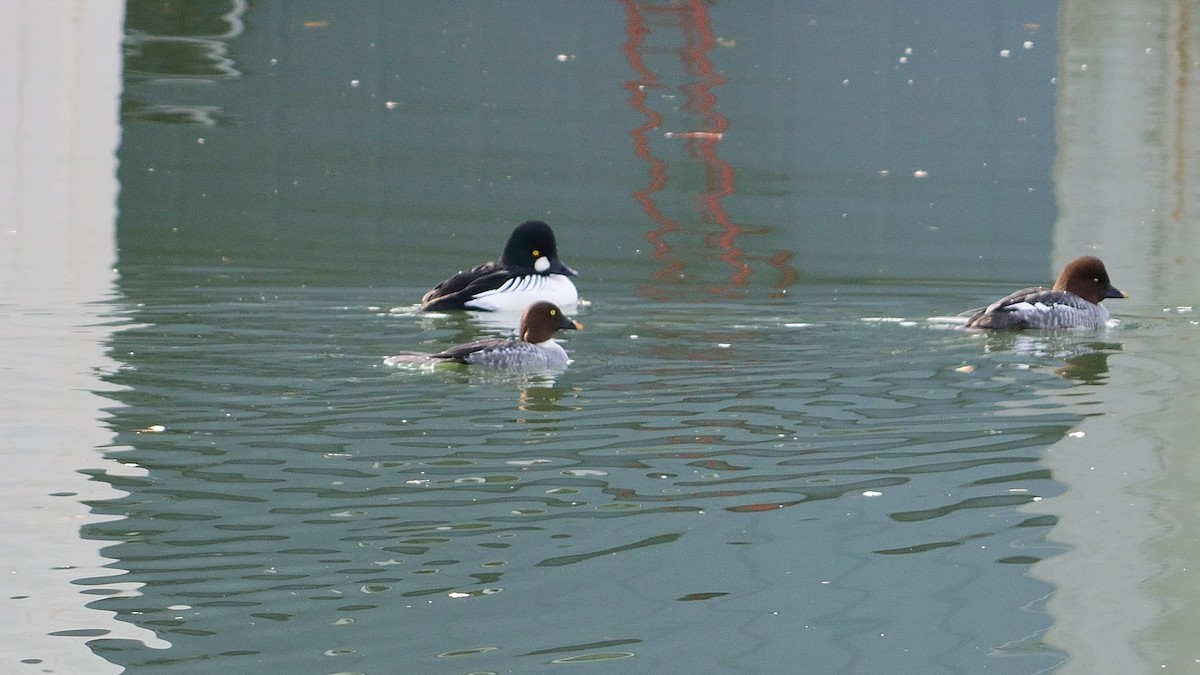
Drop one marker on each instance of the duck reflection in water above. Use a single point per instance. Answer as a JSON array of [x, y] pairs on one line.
[[1089, 368], [1085, 359]]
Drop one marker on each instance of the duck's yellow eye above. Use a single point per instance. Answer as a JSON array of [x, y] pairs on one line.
[[553, 313], [536, 253]]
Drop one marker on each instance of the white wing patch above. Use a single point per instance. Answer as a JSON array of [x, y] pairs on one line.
[[519, 292]]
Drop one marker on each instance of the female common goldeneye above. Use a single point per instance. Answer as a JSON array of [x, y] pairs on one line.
[[535, 349], [529, 270], [1074, 302]]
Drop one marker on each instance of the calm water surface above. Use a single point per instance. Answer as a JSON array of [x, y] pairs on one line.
[[773, 452]]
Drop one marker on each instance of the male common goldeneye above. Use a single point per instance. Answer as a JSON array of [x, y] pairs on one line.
[[535, 349], [1074, 302], [529, 270]]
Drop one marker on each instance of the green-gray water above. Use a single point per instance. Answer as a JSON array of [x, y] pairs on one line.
[[771, 454]]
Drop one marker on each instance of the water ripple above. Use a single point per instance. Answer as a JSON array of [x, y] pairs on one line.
[[302, 472]]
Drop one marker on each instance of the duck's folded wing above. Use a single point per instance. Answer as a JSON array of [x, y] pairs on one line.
[[1030, 298], [1038, 308], [1005, 312], [453, 292], [461, 352]]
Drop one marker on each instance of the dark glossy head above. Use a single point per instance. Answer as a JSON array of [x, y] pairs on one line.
[[531, 247], [1087, 278]]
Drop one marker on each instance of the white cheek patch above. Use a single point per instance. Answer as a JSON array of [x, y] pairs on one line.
[[541, 264]]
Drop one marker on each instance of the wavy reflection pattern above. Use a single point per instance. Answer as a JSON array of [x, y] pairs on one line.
[[167, 46], [667, 48], [305, 486]]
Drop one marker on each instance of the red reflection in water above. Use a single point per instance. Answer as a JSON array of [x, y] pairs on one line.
[[686, 21], [767, 506]]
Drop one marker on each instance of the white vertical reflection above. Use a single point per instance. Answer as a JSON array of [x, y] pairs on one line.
[[1128, 134], [59, 90], [1128, 115]]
